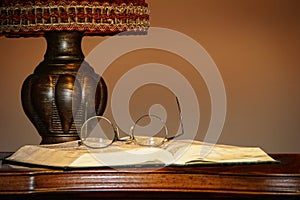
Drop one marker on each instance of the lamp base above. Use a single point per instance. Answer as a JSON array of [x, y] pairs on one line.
[[55, 103]]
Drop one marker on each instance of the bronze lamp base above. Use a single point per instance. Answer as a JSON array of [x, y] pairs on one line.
[[54, 102]]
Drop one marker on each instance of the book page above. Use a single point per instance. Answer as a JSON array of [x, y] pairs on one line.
[[204, 153], [71, 154]]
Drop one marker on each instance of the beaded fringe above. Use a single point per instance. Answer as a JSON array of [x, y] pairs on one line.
[[88, 17]]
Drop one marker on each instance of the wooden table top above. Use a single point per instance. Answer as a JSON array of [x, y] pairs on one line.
[[255, 181]]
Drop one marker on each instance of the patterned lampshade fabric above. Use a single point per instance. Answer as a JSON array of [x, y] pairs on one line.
[[93, 17]]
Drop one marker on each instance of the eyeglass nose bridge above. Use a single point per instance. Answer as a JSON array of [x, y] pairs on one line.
[[116, 131]]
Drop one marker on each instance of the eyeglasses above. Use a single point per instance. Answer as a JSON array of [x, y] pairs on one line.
[[149, 130]]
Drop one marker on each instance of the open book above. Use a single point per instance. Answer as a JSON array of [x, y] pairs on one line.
[[176, 153]]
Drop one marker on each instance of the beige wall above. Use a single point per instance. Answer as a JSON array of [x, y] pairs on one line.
[[255, 44]]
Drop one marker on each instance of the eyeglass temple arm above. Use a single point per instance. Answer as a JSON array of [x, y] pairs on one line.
[[181, 121]]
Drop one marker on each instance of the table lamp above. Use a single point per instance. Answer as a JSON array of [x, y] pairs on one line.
[[49, 98]]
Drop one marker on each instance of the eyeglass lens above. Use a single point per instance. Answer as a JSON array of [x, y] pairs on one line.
[[98, 132], [149, 130]]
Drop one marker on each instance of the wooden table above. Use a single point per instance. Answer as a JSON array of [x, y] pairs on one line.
[[259, 181]]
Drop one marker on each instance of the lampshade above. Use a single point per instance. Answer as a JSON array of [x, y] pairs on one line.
[[93, 17]]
